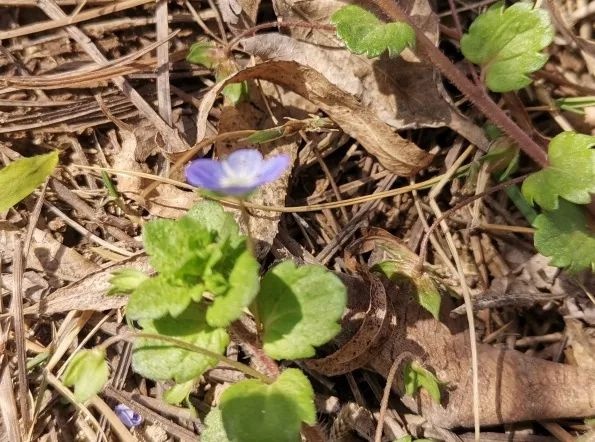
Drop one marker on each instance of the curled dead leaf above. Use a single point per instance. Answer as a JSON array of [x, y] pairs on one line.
[[395, 153]]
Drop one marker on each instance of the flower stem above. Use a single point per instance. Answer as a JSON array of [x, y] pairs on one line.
[[246, 221], [249, 371], [476, 95]]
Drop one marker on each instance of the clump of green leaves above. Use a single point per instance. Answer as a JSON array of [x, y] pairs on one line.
[[508, 44], [206, 279], [564, 232], [208, 54], [23, 176], [364, 33]]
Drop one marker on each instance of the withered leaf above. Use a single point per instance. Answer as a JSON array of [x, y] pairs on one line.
[[395, 153]]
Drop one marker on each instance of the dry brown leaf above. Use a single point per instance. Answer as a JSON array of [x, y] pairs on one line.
[[234, 10], [582, 343], [48, 255], [90, 292], [404, 92], [397, 154]]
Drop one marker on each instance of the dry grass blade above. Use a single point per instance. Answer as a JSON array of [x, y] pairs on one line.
[[90, 75], [10, 418], [16, 308], [176, 142], [68, 20]]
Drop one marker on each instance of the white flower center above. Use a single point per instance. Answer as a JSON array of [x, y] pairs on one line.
[[240, 177]]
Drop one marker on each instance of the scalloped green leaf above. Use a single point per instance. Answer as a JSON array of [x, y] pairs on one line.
[[570, 174], [364, 33], [299, 308], [566, 236], [417, 377], [507, 43], [160, 360], [253, 411], [21, 177], [87, 372]]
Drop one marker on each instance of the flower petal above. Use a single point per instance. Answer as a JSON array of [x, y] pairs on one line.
[[273, 168], [244, 162], [205, 173], [129, 417]]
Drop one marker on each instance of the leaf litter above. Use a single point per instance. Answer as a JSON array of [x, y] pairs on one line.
[[390, 124]]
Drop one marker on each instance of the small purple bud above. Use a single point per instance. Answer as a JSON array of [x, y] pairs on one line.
[[242, 172], [129, 417]]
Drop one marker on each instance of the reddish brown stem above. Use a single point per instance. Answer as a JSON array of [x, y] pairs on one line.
[[477, 96]]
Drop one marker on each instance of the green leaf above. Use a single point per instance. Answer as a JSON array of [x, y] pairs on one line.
[[364, 33], [243, 286], [570, 174], [22, 176], [180, 247], [214, 431], [157, 297], [126, 281], [256, 412], [567, 237], [266, 135], [299, 308], [400, 268], [179, 392], [203, 53], [161, 360], [417, 377], [87, 372], [507, 43], [210, 215]]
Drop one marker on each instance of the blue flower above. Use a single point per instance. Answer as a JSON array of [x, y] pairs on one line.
[[242, 172], [129, 417]]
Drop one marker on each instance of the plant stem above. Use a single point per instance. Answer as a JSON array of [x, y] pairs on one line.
[[477, 96], [186, 346]]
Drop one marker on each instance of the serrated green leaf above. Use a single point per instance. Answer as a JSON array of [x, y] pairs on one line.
[[87, 372], [214, 431], [299, 308], [179, 392], [180, 247], [211, 216], [570, 174], [160, 360], [243, 284], [23, 176], [417, 377], [566, 237], [126, 281], [256, 412], [364, 33], [507, 43], [157, 297]]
